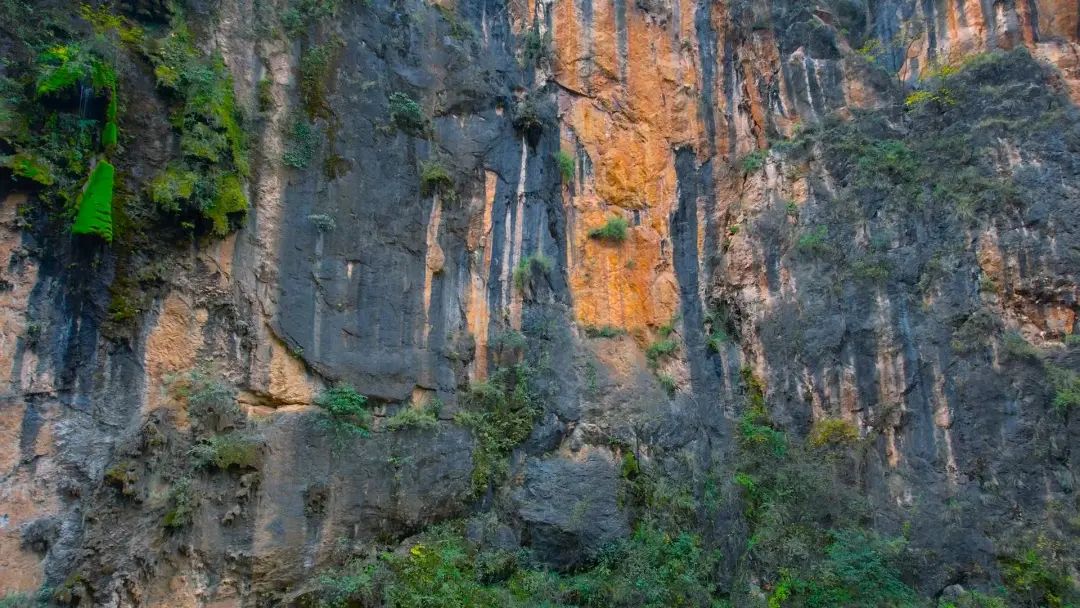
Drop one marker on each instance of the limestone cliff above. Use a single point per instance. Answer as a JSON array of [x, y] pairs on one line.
[[775, 279]]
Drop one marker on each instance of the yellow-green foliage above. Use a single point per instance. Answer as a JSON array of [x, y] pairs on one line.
[[230, 200], [230, 450], [434, 178], [613, 230], [207, 181], [95, 206], [173, 186], [30, 166], [500, 413], [833, 431], [566, 166]]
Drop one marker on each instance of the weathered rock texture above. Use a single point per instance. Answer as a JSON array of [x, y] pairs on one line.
[[896, 322]]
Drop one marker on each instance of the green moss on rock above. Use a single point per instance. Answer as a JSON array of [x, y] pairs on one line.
[[95, 207]]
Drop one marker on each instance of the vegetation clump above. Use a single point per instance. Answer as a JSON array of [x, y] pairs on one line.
[[235, 449], [407, 114], [613, 230], [501, 413], [182, 505], [424, 418], [315, 66], [301, 143], [566, 166], [604, 331], [833, 432], [528, 267], [753, 162], [95, 206], [205, 184], [345, 415], [434, 178], [660, 349]]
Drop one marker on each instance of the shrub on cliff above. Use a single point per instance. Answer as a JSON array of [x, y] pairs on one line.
[[345, 415], [407, 115], [434, 178], [528, 267], [566, 166], [500, 413], [613, 230], [234, 449]]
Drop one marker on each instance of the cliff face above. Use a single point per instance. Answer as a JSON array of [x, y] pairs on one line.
[[646, 234]]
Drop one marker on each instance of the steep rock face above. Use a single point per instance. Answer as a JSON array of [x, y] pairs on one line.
[[774, 226]]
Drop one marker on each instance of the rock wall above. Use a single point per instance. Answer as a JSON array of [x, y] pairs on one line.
[[760, 241]]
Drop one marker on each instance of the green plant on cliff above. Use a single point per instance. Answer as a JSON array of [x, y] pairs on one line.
[[315, 65], [529, 267], [424, 418], [407, 114], [1039, 576], [434, 178], [613, 230], [301, 143], [207, 182], [566, 166], [754, 161], [183, 503], [300, 14], [535, 47], [235, 449], [17, 600], [833, 432], [501, 413], [344, 414], [1066, 385], [660, 349], [805, 520], [95, 206]]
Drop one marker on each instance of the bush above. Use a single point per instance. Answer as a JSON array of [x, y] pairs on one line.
[[210, 402], [814, 242], [1066, 385], [30, 166], [660, 349], [833, 432], [322, 222], [566, 166], [95, 206], [315, 66], [434, 178], [407, 114], [301, 144], [229, 202], [614, 230], [424, 418], [668, 383], [501, 413], [859, 571], [535, 47], [604, 331], [1019, 349], [528, 118], [230, 450], [206, 185], [528, 267], [1037, 576], [182, 505], [17, 600], [754, 161], [345, 414]]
